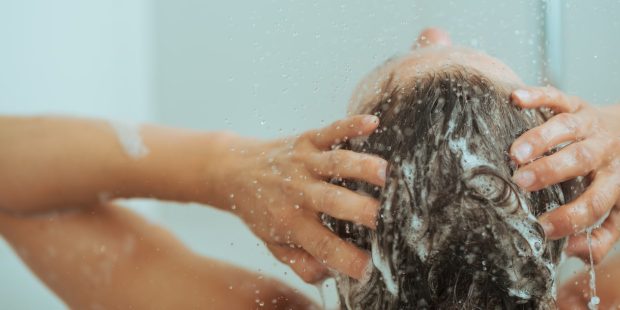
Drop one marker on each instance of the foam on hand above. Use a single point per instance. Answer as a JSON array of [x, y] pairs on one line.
[[128, 135]]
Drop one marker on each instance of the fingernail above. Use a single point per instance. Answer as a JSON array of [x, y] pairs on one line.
[[524, 178], [546, 225], [382, 173], [523, 152], [522, 94], [371, 119]]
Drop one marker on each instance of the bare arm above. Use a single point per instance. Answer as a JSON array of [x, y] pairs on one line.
[[57, 162], [111, 258], [277, 187]]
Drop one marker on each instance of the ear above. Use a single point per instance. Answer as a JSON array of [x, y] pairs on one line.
[[432, 36]]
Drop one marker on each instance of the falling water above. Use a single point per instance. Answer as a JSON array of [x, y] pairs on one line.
[[594, 300], [329, 295]]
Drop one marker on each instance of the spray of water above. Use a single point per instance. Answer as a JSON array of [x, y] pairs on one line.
[[594, 299]]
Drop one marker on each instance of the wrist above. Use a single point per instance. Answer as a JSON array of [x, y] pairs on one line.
[[182, 165]]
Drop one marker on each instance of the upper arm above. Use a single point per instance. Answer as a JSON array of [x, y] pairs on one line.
[[109, 257]]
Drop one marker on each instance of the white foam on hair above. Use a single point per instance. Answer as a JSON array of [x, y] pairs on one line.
[[469, 160], [128, 135], [347, 285], [381, 263], [417, 223]]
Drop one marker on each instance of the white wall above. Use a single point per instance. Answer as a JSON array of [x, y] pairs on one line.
[[79, 57], [88, 58], [234, 64], [592, 45]]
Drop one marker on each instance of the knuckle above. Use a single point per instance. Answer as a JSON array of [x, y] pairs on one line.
[[305, 138], [338, 158], [322, 247], [337, 126], [543, 168], [537, 136], [371, 209], [584, 156], [299, 156], [599, 204], [598, 253], [329, 199], [568, 120], [553, 93], [575, 102], [368, 165], [285, 217], [290, 189], [545, 93], [575, 214]]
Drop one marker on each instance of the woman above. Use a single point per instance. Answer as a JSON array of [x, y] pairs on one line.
[[454, 231], [246, 179]]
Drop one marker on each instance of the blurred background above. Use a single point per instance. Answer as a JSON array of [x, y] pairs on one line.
[[266, 69]]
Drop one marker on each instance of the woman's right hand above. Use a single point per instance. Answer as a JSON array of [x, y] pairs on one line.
[[279, 188]]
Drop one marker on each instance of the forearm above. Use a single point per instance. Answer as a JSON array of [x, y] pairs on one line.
[[109, 257], [51, 162]]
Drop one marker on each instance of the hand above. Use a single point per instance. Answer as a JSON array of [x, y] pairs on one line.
[[594, 151], [279, 189], [575, 293]]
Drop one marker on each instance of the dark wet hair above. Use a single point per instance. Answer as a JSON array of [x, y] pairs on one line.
[[454, 231]]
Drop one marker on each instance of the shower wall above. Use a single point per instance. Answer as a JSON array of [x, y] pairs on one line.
[[69, 57]]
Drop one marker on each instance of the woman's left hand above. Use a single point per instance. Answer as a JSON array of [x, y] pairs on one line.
[[594, 151]]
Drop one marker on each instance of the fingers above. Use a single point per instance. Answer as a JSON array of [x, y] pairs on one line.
[[342, 203], [603, 239], [349, 165], [301, 262], [330, 249], [536, 97], [577, 159], [584, 211], [432, 36], [564, 127], [351, 127]]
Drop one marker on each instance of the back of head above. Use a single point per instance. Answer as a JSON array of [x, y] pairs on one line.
[[454, 231]]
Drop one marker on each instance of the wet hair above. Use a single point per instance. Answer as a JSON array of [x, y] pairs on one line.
[[454, 231]]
